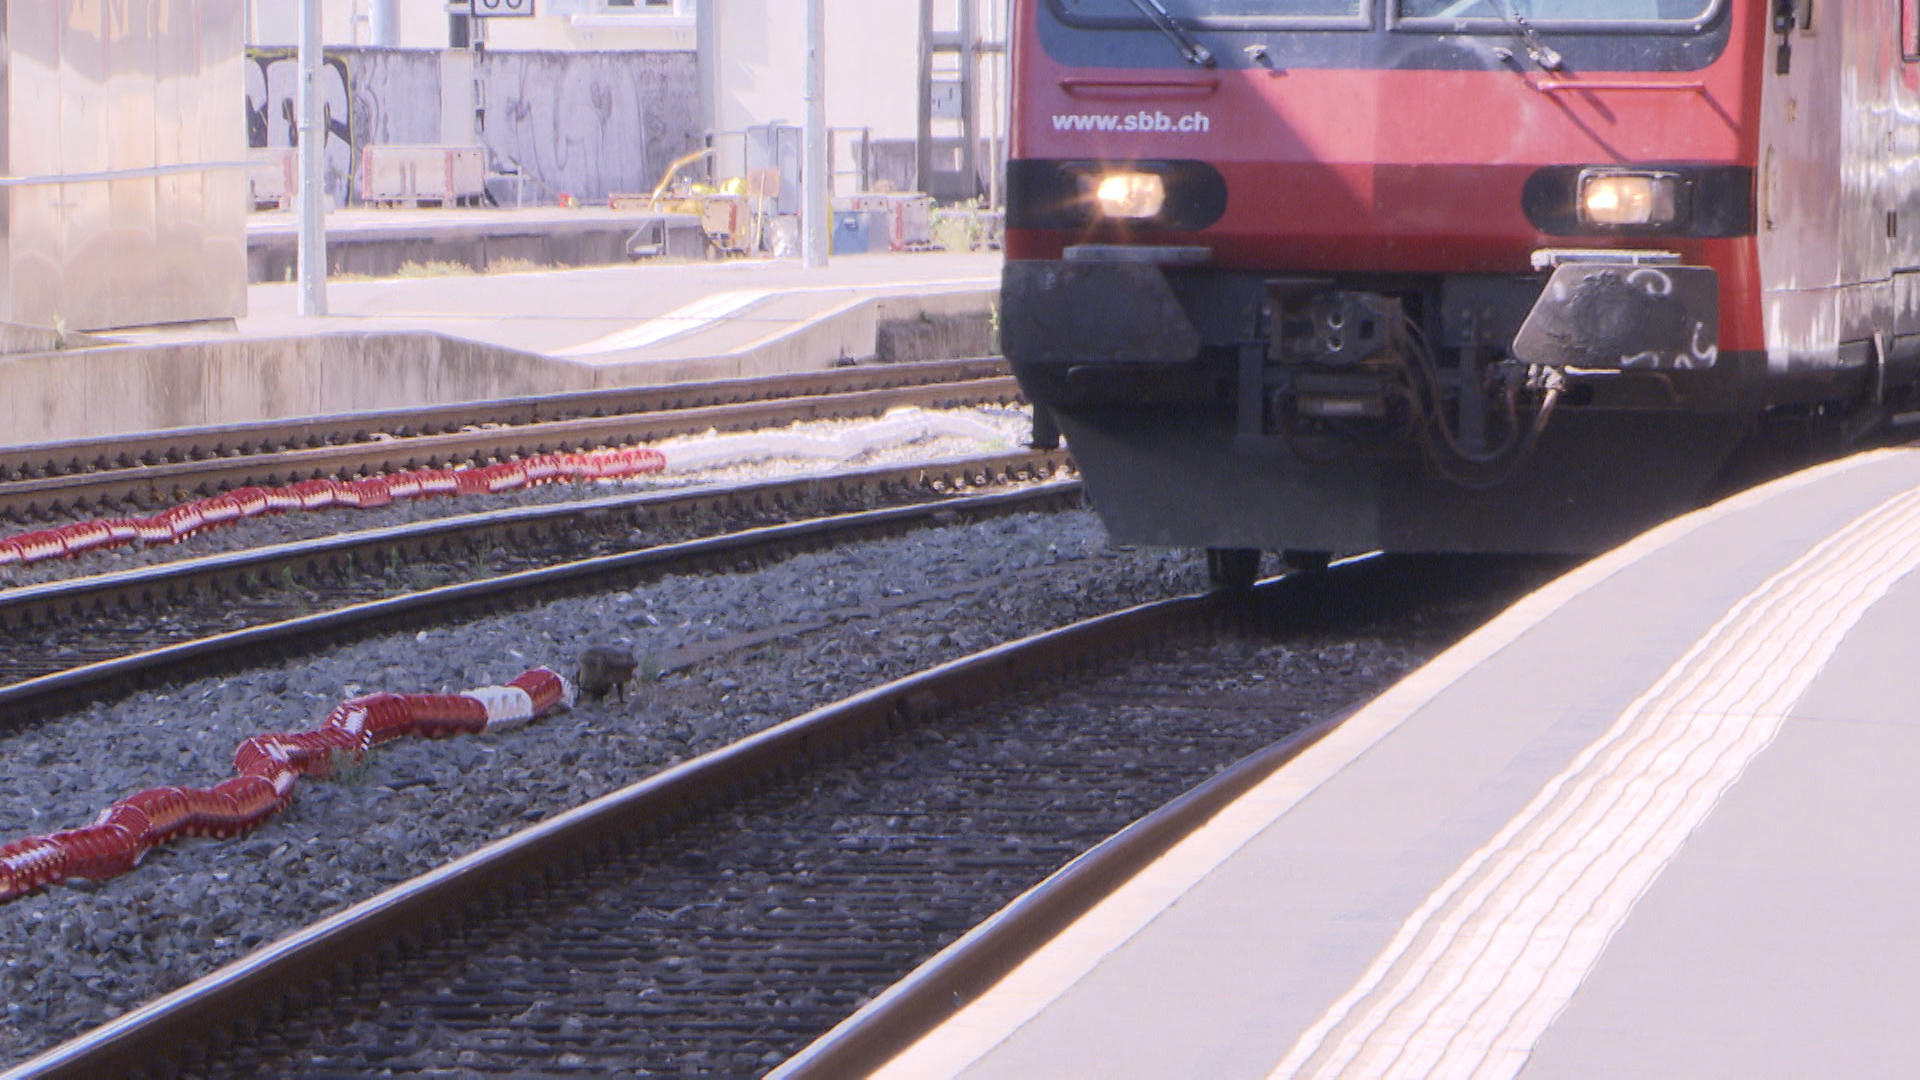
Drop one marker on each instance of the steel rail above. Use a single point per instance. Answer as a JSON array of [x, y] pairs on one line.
[[24, 701], [225, 440], [967, 969], [151, 483], [241, 994], [32, 605]]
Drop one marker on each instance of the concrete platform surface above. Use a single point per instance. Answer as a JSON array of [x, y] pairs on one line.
[[379, 242], [1656, 820], [603, 315], [392, 343], [354, 220]]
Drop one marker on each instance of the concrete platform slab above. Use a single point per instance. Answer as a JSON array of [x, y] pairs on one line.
[[381, 242], [417, 341], [1649, 822]]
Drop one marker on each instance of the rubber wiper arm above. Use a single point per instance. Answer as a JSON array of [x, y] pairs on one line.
[[1197, 54], [1539, 51]]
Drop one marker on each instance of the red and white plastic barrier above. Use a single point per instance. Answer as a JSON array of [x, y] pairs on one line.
[[694, 452], [267, 766], [176, 523]]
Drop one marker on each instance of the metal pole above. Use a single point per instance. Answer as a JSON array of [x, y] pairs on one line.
[[386, 24], [706, 52], [814, 188], [969, 100], [313, 143], [923, 134], [996, 69]]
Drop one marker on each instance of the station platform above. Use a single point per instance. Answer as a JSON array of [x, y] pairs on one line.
[[378, 242], [398, 342], [1655, 820]]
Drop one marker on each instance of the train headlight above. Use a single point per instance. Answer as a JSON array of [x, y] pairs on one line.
[[1129, 195], [1640, 200], [1114, 199], [1615, 199]]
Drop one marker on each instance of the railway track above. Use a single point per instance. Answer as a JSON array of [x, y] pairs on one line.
[[84, 638], [718, 916], [49, 480]]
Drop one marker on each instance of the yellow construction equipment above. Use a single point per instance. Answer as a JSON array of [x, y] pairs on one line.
[[726, 217]]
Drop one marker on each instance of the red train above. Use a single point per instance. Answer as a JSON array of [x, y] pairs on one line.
[[1454, 275]]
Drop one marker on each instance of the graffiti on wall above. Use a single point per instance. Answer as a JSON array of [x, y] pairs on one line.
[[397, 99], [273, 86], [590, 124]]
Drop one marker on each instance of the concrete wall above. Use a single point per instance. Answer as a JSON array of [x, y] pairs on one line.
[[396, 98], [93, 392], [590, 124], [753, 75], [586, 123], [273, 79]]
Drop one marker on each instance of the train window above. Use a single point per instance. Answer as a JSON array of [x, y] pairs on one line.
[[1126, 12], [1226, 13], [1910, 29], [1561, 10]]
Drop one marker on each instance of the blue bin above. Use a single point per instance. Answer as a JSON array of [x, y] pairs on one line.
[[851, 233]]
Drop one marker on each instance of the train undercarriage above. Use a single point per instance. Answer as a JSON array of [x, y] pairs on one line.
[[1241, 412]]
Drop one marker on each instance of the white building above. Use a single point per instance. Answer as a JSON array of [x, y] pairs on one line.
[[751, 56], [427, 24]]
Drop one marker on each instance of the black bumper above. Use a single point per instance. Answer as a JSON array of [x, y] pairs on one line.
[[1059, 314]]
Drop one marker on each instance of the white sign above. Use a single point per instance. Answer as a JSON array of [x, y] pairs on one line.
[[946, 100], [483, 9]]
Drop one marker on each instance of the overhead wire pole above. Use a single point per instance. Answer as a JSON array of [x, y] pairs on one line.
[[814, 186], [313, 142], [386, 24], [996, 128]]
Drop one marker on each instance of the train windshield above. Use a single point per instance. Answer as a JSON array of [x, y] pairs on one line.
[[1597, 14], [1129, 13], [1561, 11]]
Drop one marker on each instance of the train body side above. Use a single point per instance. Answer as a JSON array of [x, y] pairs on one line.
[[1837, 176], [1424, 174]]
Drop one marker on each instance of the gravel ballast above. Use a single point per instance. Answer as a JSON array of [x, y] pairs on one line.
[[78, 955]]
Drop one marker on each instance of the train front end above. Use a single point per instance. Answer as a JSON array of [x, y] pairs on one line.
[[1414, 275]]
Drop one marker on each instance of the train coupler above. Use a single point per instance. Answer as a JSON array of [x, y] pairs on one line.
[[1334, 328], [1622, 311]]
